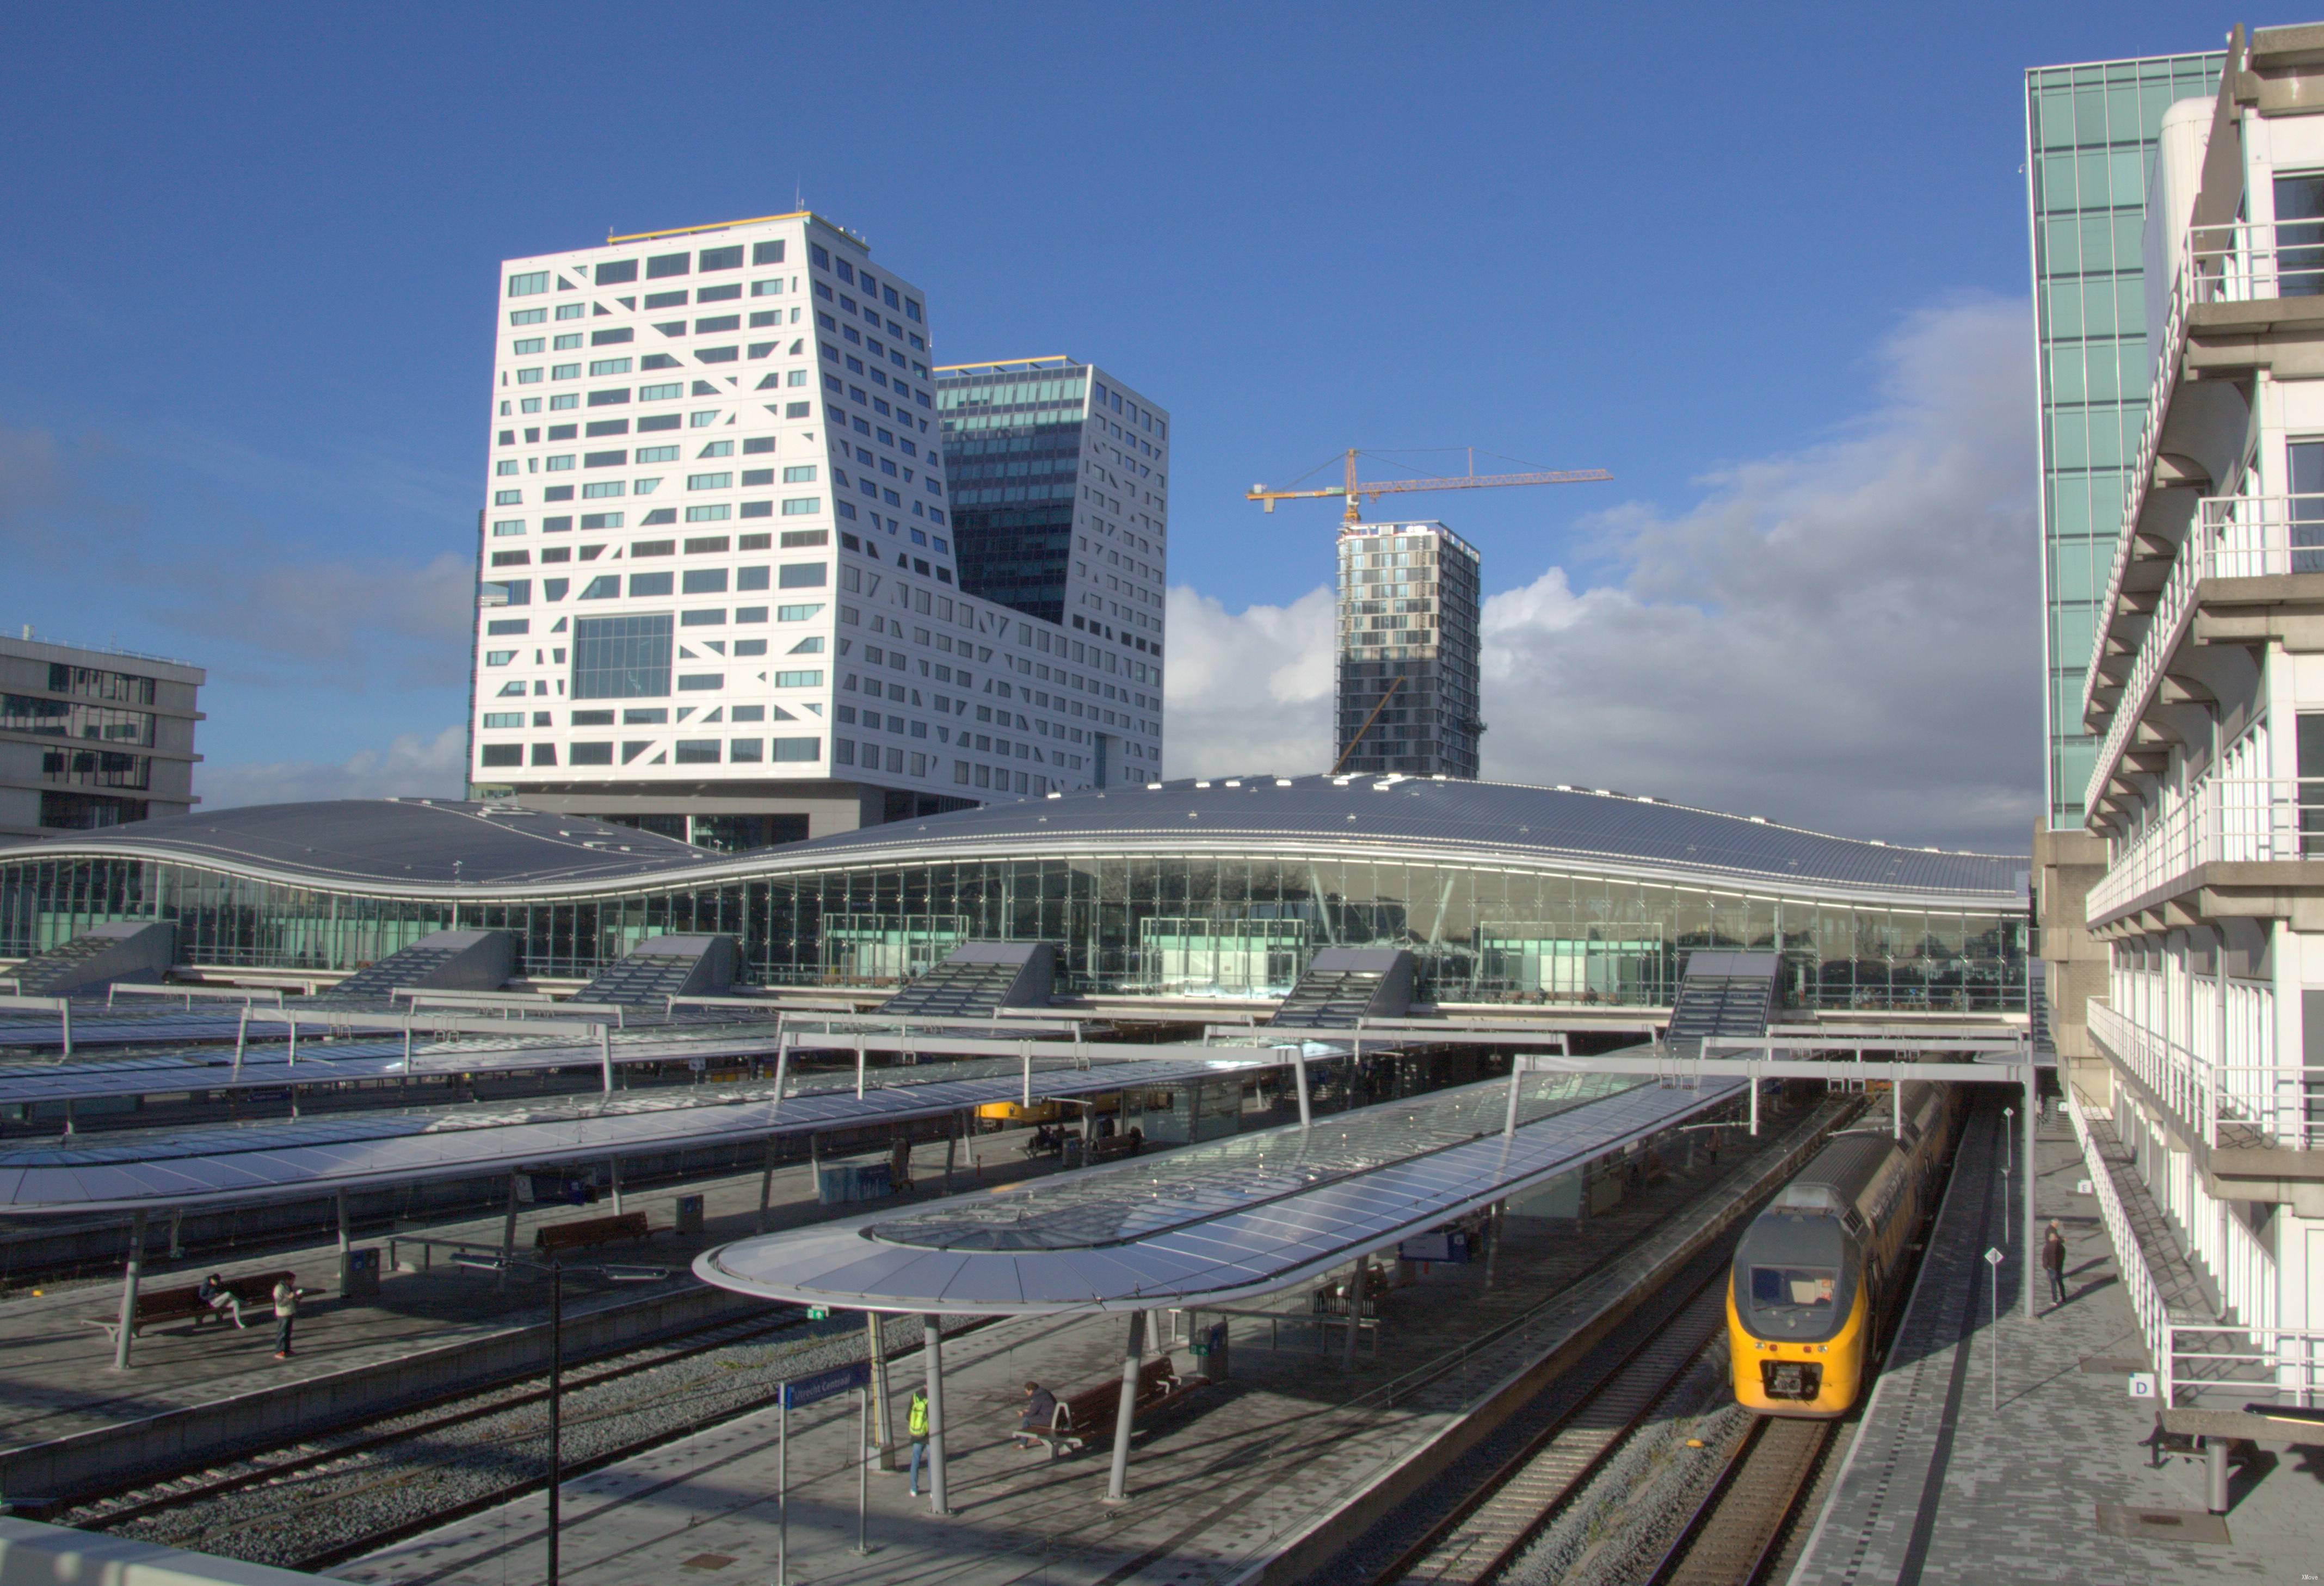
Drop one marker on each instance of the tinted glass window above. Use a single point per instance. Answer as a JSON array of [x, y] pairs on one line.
[[622, 658], [668, 265], [617, 271]]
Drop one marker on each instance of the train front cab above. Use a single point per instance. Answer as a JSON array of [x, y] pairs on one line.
[[1798, 1316]]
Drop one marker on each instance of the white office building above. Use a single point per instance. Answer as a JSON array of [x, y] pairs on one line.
[[719, 595], [2185, 929], [1060, 478]]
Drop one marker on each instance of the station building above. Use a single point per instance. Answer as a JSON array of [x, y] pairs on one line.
[[1205, 889], [2185, 925]]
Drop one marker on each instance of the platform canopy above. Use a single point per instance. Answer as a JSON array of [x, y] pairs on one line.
[[1209, 1224], [279, 1159]]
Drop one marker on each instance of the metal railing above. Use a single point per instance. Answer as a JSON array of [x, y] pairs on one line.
[[2221, 820], [2230, 1365], [2147, 1301], [2232, 537], [2273, 1100], [2244, 261]]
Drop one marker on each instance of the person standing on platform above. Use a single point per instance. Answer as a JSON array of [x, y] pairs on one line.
[[2053, 1263], [915, 1421], [286, 1313]]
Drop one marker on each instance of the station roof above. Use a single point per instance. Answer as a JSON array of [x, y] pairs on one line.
[[1210, 1224], [423, 844], [281, 1159], [411, 846]]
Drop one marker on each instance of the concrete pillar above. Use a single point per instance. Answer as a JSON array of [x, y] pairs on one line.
[[932, 1351], [1126, 1410], [2215, 1463], [129, 1273]]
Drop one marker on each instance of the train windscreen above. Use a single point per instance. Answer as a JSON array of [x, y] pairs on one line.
[[1794, 1291]]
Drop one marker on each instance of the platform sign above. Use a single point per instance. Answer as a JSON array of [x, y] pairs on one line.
[[803, 1391], [2141, 1385], [2083, 1186], [1993, 1257]]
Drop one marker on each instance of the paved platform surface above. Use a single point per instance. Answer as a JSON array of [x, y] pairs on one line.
[[1940, 1485], [1217, 1482], [56, 1370]]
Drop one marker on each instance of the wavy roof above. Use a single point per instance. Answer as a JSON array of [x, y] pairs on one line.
[[427, 847]]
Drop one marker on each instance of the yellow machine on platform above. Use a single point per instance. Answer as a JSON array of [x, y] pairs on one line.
[[1819, 1275]]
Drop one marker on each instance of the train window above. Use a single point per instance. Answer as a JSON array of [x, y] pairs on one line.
[[1777, 1287]]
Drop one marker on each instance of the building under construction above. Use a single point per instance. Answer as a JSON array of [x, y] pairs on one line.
[[1407, 652]]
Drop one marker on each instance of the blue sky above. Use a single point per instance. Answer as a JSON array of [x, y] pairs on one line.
[[252, 251]]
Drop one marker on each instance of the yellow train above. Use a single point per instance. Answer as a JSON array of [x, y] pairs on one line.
[[1819, 1275]]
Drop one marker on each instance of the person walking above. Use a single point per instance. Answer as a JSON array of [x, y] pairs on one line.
[[219, 1296], [2053, 1263], [915, 1421], [286, 1313]]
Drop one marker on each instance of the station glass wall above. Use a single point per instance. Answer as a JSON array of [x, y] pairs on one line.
[[1190, 925]]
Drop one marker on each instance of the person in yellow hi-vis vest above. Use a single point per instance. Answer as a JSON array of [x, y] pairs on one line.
[[916, 1421]]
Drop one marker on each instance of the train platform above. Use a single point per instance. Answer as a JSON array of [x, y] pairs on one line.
[[2014, 1449], [59, 1387], [1242, 1479]]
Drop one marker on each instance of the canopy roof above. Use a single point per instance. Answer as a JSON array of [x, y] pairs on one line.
[[1212, 1223]]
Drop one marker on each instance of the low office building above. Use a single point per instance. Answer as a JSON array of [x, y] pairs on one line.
[[1227, 888], [1060, 478], [1410, 650], [2204, 912], [93, 738]]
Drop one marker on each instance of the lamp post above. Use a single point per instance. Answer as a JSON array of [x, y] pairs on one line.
[[557, 1270]]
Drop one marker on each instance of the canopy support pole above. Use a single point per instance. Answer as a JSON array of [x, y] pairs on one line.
[[859, 1068], [2027, 1249], [782, 1072], [613, 1170], [883, 1419], [952, 1151], [241, 1042], [1755, 1101], [129, 1273], [507, 1234], [1356, 1287], [293, 1058], [339, 1207], [1126, 1410], [766, 1184], [1896, 1108], [177, 1222], [1299, 1078], [605, 1055], [64, 1018], [932, 1350], [1516, 1078]]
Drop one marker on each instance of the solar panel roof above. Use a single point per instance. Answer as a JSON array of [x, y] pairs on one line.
[[1211, 1224]]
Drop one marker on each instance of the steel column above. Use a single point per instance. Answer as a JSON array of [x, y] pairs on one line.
[[2029, 1247], [129, 1274], [1299, 1076], [614, 1172], [1356, 1287], [882, 1410], [507, 1234], [932, 1348], [766, 1184], [1126, 1409]]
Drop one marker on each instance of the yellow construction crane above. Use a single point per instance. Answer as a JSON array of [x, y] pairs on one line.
[[1355, 489]]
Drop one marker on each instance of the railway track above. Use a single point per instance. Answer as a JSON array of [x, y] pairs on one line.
[[159, 1495], [316, 1504], [1734, 1534], [1530, 1489]]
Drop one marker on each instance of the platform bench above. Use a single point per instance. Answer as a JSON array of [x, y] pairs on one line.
[[1089, 1415], [257, 1292], [592, 1231]]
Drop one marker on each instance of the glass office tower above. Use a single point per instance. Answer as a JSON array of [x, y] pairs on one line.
[[2089, 134], [1408, 651]]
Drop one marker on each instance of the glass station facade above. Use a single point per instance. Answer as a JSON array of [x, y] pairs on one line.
[[1191, 924]]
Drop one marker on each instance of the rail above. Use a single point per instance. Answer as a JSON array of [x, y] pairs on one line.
[[2232, 537], [246, 995], [2272, 1100], [2221, 820]]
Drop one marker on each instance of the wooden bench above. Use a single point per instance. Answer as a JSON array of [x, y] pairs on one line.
[[256, 1292], [1106, 1147], [592, 1231], [1089, 1415]]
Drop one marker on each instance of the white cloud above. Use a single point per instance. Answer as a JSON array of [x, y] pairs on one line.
[[427, 768], [342, 622], [1846, 637], [1250, 691]]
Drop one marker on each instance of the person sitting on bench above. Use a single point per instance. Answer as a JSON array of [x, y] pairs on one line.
[[1043, 1141], [214, 1292], [1040, 1411]]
